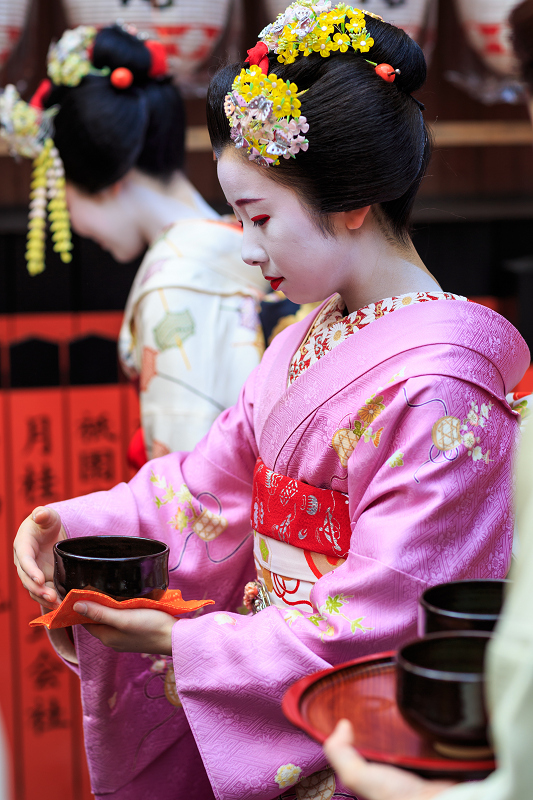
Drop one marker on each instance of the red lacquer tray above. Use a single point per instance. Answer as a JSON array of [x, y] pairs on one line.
[[364, 691]]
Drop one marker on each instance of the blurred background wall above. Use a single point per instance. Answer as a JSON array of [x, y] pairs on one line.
[[66, 411]]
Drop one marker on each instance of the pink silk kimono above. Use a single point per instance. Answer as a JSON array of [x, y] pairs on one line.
[[429, 501]]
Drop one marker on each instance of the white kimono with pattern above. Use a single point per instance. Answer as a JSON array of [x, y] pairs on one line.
[[191, 333]]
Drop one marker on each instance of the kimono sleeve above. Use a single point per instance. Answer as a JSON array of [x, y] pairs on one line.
[[421, 513], [197, 502]]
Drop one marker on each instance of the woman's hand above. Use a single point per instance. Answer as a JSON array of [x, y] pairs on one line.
[[132, 630], [34, 554], [375, 781]]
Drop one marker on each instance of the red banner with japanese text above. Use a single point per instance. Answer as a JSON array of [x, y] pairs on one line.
[[42, 683], [55, 443]]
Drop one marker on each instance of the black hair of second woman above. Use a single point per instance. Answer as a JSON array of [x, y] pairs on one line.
[[368, 143], [521, 21], [102, 132]]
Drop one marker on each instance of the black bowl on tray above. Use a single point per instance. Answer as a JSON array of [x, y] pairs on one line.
[[122, 567], [473, 605], [440, 691]]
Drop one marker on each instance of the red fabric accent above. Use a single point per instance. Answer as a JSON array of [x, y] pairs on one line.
[[42, 91], [159, 58], [311, 564], [304, 516], [258, 56], [63, 616], [525, 385], [136, 453]]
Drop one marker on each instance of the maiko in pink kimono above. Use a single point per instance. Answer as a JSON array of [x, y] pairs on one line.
[[369, 455]]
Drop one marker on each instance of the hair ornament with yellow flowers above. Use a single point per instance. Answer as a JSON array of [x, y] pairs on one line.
[[263, 111], [28, 131], [307, 27]]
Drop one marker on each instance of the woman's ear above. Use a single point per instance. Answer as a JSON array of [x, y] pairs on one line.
[[115, 188], [354, 219]]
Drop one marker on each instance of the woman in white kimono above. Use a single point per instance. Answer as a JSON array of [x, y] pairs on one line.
[[191, 332]]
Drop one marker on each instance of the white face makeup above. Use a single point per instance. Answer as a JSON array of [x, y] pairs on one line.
[[106, 218], [279, 236]]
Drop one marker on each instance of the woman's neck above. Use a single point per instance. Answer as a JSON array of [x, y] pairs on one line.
[[158, 204], [389, 270]]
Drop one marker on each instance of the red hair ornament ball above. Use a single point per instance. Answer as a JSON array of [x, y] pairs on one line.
[[386, 72], [121, 78]]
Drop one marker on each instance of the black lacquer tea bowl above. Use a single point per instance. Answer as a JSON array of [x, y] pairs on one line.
[[440, 691], [461, 605], [122, 567]]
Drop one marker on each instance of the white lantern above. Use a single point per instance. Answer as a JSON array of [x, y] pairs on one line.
[[485, 23], [189, 29], [12, 18]]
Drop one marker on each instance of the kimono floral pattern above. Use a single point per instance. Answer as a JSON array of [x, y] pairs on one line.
[[450, 433], [163, 667], [324, 617], [204, 523], [345, 440], [287, 775], [331, 327]]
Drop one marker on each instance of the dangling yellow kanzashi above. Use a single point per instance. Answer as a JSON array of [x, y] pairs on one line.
[[57, 208], [37, 217], [48, 183]]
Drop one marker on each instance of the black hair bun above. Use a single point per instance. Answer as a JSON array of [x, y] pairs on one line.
[[102, 132], [114, 47], [393, 46]]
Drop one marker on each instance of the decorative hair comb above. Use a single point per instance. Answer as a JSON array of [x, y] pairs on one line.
[[262, 110]]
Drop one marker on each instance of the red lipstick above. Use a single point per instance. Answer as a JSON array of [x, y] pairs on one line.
[[274, 282]]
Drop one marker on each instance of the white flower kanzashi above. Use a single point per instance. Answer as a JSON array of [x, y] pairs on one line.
[[68, 59], [303, 13], [24, 128], [263, 113], [306, 26], [287, 775]]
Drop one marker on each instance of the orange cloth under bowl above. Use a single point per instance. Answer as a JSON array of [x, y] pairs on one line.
[[63, 616]]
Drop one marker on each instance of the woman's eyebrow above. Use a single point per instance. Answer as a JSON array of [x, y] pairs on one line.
[[245, 200]]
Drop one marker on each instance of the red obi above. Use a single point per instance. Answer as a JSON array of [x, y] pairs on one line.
[[304, 516]]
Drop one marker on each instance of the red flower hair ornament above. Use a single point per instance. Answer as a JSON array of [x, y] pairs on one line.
[[158, 53], [41, 93], [258, 56]]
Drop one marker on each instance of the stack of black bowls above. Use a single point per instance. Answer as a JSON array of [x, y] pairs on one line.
[[440, 676]]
